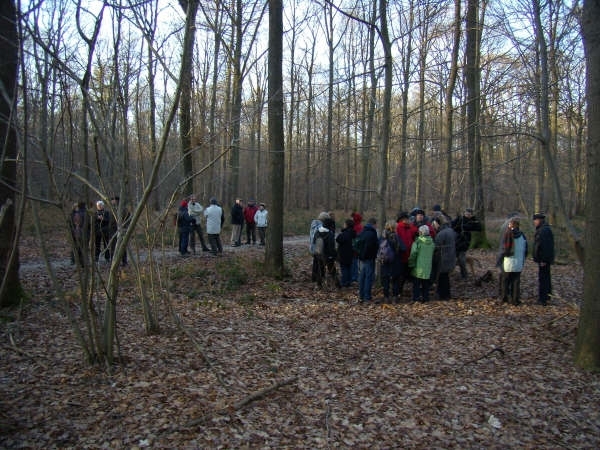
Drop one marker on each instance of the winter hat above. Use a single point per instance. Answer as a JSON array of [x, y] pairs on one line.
[[184, 204], [424, 230], [437, 208], [213, 201], [324, 215], [100, 204], [539, 215]]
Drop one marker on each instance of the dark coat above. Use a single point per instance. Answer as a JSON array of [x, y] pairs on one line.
[[445, 248], [543, 247], [463, 226], [184, 220], [237, 214], [344, 241], [370, 243]]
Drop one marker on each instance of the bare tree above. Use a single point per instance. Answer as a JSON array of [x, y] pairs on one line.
[[190, 8], [274, 248], [10, 289], [587, 347]]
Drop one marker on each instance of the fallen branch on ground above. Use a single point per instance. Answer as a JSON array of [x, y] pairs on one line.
[[245, 401]]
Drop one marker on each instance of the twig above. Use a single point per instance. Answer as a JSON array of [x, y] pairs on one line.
[[22, 352], [245, 401]]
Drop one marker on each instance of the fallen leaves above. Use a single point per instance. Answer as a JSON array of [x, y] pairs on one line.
[[292, 366]]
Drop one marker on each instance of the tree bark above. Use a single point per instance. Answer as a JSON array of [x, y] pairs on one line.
[[10, 289], [274, 247], [587, 348], [185, 112]]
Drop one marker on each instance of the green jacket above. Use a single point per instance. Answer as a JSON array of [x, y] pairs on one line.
[[421, 257]]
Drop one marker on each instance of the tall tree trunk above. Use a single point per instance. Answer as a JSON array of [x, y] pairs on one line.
[[327, 182], [384, 137], [236, 105], [474, 25], [274, 248], [587, 347], [10, 289], [545, 130], [190, 8], [370, 100], [406, 73], [448, 126]]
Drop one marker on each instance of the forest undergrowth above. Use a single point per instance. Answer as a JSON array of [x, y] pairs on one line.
[[266, 363]]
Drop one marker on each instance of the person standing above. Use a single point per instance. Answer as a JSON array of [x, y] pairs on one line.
[[420, 260], [358, 227], [261, 219], [391, 268], [195, 211], [101, 232], [368, 244], [445, 249], [407, 232], [184, 227], [543, 255], [463, 226], [345, 252], [249, 212], [514, 253], [80, 230], [237, 222], [315, 225], [214, 222]]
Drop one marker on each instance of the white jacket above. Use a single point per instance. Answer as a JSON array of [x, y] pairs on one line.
[[195, 210], [515, 263], [213, 219], [260, 218]]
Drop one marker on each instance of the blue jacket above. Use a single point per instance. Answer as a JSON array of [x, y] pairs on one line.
[[370, 243]]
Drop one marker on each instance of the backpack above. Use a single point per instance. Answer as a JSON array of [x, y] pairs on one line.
[[385, 253], [358, 244]]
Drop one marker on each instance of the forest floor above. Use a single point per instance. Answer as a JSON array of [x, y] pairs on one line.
[[264, 363]]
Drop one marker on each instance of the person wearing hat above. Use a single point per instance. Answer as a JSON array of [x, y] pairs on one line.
[[261, 219], [543, 255], [463, 225], [420, 262], [214, 222], [420, 219]]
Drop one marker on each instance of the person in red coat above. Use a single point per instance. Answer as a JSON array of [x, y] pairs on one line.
[[407, 232], [249, 211]]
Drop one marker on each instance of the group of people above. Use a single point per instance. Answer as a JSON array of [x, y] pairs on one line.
[[101, 225], [254, 217], [424, 250], [189, 224]]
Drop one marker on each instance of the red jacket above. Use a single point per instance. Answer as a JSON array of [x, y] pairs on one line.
[[249, 212], [358, 226], [407, 232]]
